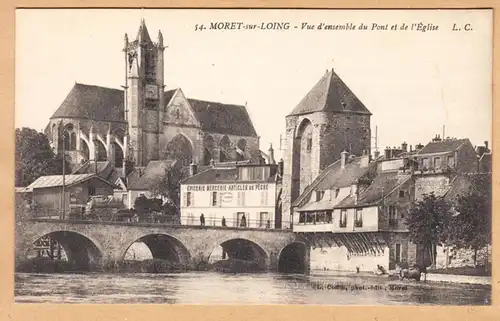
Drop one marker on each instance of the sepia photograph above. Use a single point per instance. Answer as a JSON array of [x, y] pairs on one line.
[[251, 156]]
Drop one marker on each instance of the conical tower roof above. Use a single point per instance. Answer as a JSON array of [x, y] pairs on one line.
[[330, 94]]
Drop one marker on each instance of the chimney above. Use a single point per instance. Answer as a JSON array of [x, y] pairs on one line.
[[354, 192], [388, 153], [343, 158], [418, 147], [193, 169], [365, 159], [271, 155], [486, 145], [480, 150], [411, 148], [280, 167], [404, 147]]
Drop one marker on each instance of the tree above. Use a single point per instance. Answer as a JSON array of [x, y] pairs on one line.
[[428, 223], [168, 186], [471, 224], [35, 157]]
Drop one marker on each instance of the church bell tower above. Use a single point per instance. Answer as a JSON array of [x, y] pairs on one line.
[[144, 84]]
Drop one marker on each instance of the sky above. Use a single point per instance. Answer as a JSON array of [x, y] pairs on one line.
[[413, 82]]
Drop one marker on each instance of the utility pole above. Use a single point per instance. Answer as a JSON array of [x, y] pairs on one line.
[[63, 196]]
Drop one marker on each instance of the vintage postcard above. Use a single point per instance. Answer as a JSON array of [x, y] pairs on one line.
[[305, 157]]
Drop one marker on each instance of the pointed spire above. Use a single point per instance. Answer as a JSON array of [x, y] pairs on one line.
[[271, 155], [160, 39], [143, 34]]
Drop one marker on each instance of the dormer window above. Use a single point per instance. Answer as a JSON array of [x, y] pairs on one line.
[[319, 195]]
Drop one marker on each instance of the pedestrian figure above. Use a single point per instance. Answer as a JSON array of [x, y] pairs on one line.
[[223, 221], [268, 224], [243, 221], [202, 219]]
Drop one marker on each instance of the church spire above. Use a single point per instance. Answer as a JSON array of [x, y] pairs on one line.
[[143, 34]]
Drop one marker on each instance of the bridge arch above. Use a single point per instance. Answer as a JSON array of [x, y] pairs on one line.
[[293, 258], [82, 252], [241, 248], [164, 247]]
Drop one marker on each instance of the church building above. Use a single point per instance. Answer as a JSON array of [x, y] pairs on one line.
[[146, 121]]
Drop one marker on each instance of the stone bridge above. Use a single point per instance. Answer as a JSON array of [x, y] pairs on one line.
[[91, 243]]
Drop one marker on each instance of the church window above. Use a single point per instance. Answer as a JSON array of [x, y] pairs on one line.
[[309, 144]]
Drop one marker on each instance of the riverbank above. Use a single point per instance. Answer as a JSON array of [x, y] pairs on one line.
[[431, 277]]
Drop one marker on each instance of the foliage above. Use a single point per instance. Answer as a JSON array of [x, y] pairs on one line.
[[35, 157], [168, 186], [428, 222], [471, 225], [144, 205]]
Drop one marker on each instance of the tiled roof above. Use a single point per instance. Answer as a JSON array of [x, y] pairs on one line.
[[223, 118], [57, 180], [221, 176], [153, 171], [446, 145], [167, 95], [106, 104], [338, 177], [92, 102], [330, 94], [382, 185], [89, 167]]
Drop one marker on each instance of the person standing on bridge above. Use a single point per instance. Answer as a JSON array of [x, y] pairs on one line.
[[243, 221], [223, 221], [202, 219]]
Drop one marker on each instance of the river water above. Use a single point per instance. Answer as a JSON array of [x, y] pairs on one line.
[[267, 288]]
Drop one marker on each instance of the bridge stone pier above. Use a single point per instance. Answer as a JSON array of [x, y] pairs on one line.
[[90, 243]]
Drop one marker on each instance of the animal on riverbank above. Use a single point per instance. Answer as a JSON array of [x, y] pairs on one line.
[[414, 272]]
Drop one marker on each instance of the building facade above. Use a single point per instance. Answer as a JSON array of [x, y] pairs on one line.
[[145, 121], [243, 196]]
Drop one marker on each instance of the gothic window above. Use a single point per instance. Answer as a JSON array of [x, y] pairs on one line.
[[309, 144], [72, 141]]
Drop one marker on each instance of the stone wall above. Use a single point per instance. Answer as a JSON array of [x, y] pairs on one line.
[[451, 257]]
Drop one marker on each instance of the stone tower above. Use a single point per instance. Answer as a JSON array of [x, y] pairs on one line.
[[144, 94], [328, 120]]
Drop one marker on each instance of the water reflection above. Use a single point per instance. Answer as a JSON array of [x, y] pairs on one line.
[[215, 288]]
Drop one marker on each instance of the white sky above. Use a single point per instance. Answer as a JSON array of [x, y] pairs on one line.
[[412, 82]]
